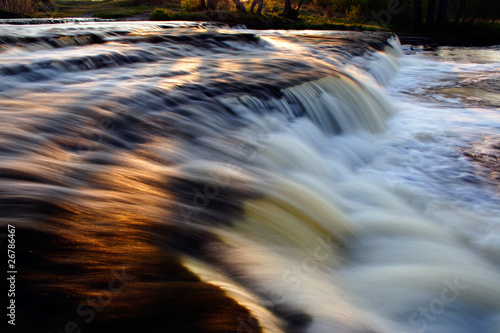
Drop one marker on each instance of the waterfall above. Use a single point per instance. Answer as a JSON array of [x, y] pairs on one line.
[[187, 177]]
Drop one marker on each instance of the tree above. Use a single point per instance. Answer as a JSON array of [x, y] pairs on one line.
[[431, 10], [211, 4], [259, 7], [23, 7], [289, 11], [239, 6], [418, 15], [441, 17], [460, 11]]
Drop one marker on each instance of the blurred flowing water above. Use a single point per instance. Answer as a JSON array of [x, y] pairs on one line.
[[188, 177]]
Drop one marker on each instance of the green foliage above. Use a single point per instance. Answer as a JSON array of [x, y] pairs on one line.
[[150, 2], [478, 24], [23, 7], [355, 13], [46, 6], [324, 3], [228, 5], [191, 5], [160, 14], [109, 8], [108, 15]]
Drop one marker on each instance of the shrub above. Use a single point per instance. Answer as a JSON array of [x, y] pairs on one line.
[[324, 3], [226, 5], [149, 2], [46, 6], [23, 7], [108, 15], [160, 14], [191, 5], [8, 15], [355, 13]]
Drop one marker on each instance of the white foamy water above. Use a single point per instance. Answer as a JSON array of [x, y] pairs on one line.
[[249, 181]]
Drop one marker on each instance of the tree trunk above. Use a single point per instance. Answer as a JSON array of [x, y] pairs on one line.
[[212, 4], [288, 7], [300, 5], [476, 14], [441, 17], [431, 10], [404, 13], [289, 11], [460, 11], [239, 6], [259, 7], [203, 5], [418, 15]]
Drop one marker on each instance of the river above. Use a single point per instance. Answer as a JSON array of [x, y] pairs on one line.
[[188, 177]]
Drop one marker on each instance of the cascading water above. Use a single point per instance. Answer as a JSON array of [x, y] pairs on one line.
[[193, 178]]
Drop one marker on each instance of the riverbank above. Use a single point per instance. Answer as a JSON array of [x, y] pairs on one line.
[[311, 18], [264, 21]]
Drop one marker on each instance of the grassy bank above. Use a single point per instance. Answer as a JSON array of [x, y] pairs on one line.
[[109, 9], [264, 21], [311, 17]]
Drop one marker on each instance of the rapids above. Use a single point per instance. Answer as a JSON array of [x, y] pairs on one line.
[[189, 177]]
